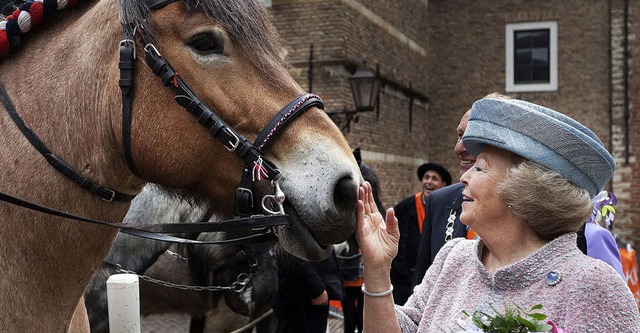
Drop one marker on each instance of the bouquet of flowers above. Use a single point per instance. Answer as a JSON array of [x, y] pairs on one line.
[[513, 320]]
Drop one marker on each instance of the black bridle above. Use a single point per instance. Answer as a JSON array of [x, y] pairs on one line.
[[252, 212]]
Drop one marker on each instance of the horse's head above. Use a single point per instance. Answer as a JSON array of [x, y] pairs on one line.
[[227, 52]]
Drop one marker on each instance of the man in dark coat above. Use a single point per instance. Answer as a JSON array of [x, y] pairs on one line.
[[410, 213]]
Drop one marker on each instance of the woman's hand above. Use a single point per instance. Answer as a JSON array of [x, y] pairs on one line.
[[378, 240]]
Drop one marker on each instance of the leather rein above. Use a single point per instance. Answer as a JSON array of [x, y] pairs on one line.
[[260, 215]]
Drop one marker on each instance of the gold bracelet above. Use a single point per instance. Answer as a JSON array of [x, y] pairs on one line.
[[380, 294]]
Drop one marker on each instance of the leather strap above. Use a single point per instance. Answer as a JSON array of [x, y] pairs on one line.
[[226, 135], [94, 188], [245, 200], [262, 224], [157, 4], [127, 68], [284, 117]]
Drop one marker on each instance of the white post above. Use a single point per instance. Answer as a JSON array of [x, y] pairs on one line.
[[123, 296]]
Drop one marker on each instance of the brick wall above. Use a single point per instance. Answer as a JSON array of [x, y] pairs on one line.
[[453, 52], [467, 60], [389, 34], [629, 207]]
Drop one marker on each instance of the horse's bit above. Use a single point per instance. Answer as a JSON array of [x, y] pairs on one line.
[[257, 166]]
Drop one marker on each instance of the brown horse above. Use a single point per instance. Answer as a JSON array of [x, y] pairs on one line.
[[63, 82]]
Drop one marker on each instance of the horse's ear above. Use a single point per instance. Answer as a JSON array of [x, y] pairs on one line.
[[356, 154]]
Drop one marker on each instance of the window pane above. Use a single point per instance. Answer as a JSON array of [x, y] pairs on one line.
[[540, 74], [540, 56], [531, 56], [523, 74], [540, 38], [522, 39], [523, 57]]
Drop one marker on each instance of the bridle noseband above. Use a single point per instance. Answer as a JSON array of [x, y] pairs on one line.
[[252, 212]]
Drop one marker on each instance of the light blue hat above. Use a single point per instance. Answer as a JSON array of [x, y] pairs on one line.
[[541, 135]]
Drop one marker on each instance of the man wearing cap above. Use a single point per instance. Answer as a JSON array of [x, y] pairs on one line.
[[410, 212]]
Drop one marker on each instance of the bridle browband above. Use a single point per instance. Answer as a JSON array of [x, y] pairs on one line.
[[257, 167]]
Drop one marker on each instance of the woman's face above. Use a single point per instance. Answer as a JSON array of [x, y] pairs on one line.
[[481, 205]]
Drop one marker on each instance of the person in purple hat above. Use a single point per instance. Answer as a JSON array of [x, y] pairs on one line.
[[410, 212], [526, 196]]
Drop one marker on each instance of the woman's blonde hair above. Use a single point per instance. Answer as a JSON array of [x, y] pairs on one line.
[[544, 199]]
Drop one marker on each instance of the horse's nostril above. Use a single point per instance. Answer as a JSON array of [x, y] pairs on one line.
[[345, 195]]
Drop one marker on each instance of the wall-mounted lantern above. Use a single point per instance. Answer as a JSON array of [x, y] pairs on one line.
[[365, 87]]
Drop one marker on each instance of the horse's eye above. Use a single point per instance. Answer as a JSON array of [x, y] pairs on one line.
[[207, 44]]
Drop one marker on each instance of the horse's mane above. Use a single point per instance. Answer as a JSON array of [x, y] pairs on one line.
[[248, 23]]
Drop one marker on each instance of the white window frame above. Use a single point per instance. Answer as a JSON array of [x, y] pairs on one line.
[[552, 26]]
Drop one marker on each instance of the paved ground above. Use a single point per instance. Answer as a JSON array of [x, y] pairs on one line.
[[170, 323], [175, 323]]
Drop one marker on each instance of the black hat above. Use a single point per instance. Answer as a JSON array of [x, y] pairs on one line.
[[446, 176]]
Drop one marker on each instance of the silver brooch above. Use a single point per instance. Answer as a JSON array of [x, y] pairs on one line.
[[553, 278]]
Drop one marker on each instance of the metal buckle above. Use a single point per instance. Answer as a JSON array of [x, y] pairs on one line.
[[242, 189], [235, 145], [148, 46], [133, 45], [113, 195]]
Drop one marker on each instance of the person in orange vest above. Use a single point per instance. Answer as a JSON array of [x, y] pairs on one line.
[[630, 270], [410, 212]]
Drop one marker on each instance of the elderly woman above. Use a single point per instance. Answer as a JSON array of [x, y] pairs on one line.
[[527, 194]]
